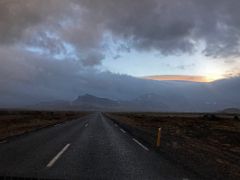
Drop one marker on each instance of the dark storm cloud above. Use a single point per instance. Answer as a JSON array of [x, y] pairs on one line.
[[169, 26], [92, 59], [47, 26], [147, 24], [172, 26], [16, 16], [27, 78]]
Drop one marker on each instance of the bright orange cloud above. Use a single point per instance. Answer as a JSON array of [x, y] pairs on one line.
[[179, 78]]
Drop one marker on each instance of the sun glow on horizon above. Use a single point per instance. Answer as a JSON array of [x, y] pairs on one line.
[[212, 71], [206, 79], [213, 77]]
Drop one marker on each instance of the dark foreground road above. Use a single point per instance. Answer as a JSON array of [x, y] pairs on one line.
[[91, 147]]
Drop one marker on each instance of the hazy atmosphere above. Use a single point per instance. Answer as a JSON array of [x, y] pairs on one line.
[[174, 55], [120, 89]]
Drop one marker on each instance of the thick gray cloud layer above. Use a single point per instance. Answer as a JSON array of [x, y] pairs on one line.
[[27, 79], [168, 26], [35, 34], [172, 25]]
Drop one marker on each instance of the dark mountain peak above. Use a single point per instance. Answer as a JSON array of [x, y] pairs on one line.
[[86, 96], [93, 100], [231, 111]]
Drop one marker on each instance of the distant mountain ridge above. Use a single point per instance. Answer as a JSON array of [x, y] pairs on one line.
[[91, 102], [132, 94], [157, 96], [146, 102], [90, 99], [231, 111]]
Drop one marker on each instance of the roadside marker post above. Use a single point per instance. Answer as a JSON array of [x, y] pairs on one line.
[[159, 137]]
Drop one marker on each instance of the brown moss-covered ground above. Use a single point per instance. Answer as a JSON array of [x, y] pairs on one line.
[[208, 145], [15, 122]]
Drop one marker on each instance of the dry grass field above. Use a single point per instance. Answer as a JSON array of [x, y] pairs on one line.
[[14, 122], [207, 144]]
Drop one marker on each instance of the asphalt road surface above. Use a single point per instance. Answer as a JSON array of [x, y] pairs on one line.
[[92, 147]]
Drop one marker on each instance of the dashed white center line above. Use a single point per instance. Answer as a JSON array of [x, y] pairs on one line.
[[86, 125], [122, 130], [115, 125], [51, 163], [140, 144]]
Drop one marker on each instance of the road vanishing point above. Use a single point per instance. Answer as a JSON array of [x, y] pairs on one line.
[[91, 147]]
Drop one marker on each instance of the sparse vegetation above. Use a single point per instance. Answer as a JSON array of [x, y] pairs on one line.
[[209, 144], [13, 122]]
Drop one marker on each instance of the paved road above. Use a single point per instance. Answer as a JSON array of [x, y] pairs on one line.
[[92, 147]]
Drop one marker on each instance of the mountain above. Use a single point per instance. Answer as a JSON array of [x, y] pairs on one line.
[[149, 102], [91, 102], [231, 111], [150, 95], [146, 102], [199, 101]]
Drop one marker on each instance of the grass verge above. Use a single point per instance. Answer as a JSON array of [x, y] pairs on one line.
[[207, 144], [16, 122]]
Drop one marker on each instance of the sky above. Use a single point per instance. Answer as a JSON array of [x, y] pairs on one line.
[[148, 65], [46, 45]]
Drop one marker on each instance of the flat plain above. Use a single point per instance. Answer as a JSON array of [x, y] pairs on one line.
[[15, 122], [206, 144], [209, 144]]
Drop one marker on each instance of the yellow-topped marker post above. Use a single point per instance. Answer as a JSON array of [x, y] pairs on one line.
[[159, 137]]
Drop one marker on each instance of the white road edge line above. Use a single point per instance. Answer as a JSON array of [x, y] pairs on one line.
[[51, 163], [2, 142], [86, 125], [140, 144], [122, 130]]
